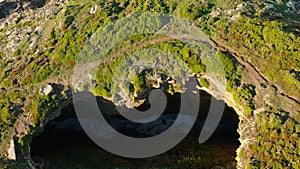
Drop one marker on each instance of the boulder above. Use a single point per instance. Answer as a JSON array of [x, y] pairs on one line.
[[11, 151], [93, 9], [45, 90]]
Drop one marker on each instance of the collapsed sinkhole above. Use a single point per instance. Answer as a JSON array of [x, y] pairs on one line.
[[64, 133]]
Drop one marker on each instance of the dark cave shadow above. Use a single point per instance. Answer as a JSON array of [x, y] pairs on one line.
[[6, 8], [53, 140]]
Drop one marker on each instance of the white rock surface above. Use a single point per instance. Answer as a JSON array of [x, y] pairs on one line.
[[94, 9], [11, 151], [45, 90], [291, 4]]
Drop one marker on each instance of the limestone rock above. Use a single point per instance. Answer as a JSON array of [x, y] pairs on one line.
[[93, 9], [291, 4], [45, 90], [11, 151]]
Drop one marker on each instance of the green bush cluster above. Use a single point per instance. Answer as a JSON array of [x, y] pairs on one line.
[[231, 73], [105, 72], [5, 164], [139, 83], [104, 77], [146, 6], [41, 106], [5, 116], [114, 7], [42, 74], [244, 96], [229, 64], [67, 41], [266, 44], [183, 52], [10, 109], [203, 82], [193, 9], [278, 141], [52, 34], [69, 47]]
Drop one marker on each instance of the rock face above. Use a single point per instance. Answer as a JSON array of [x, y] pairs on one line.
[[270, 133], [45, 90], [11, 151]]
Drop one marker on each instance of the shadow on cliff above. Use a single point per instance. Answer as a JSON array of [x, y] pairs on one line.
[[6, 8], [64, 134]]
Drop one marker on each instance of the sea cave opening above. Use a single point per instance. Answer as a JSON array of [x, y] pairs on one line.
[[64, 144]]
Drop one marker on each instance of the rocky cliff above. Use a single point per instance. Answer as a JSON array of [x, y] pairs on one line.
[[257, 43]]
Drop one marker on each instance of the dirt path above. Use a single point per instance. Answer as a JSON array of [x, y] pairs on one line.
[[251, 68]]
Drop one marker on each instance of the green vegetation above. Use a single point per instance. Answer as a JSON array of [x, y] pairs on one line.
[[9, 113], [178, 52], [203, 82], [185, 53], [139, 83], [42, 74], [53, 34], [104, 78], [229, 64], [242, 93], [192, 9], [43, 105], [4, 164], [244, 96], [278, 141], [5, 115], [268, 46]]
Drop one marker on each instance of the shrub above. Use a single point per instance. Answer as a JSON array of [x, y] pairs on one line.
[[193, 9], [229, 64], [69, 20], [203, 82], [139, 83], [5, 115], [52, 34], [42, 74], [244, 95], [275, 130], [266, 44]]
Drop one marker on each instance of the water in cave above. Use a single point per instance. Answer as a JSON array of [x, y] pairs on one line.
[[63, 144]]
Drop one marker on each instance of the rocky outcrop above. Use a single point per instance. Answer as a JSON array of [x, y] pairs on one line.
[[11, 151], [45, 90], [268, 98]]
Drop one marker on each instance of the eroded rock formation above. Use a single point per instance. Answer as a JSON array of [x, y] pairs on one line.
[[269, 130]]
